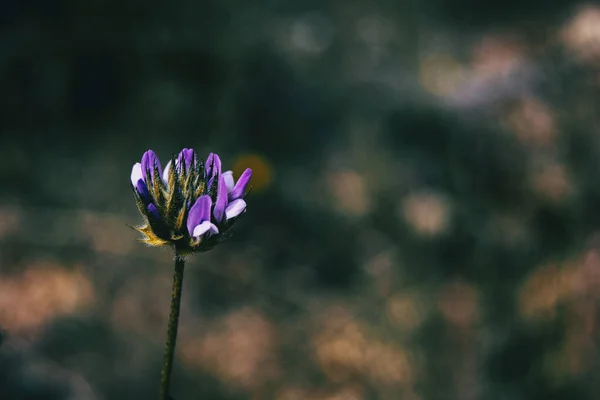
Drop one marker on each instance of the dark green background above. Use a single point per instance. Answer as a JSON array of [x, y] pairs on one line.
[[328, 290]]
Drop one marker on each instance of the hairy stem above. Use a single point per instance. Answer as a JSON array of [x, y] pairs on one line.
[[165, 376]]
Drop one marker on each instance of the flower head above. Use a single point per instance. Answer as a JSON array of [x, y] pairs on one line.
[[191, 204]]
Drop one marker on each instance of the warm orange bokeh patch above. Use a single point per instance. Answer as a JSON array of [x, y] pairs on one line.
[[354, 352], [574, 287], [407, 310], [496, 56], [581, 34], [349, 192], [459, 303], [440, 74], [541, 292], [296, 393], [239, 349], [262, 172], [427, 213], [551, 285], [533, 123], [42, 292], [550, 180]]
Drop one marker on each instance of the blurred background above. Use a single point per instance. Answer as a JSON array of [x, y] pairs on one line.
[[423, 223]]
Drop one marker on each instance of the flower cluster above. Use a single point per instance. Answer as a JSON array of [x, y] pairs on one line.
[[191, 204]]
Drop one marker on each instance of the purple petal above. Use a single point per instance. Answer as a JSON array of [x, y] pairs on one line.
[[199, 212], [153, 212], [229, 182], [206, 227], [216, 166], [208, 165], [221, 202], [212, 165], [136, 174], [149, 161], [240, 187], [187, 155], [235, 208], [142, 190]]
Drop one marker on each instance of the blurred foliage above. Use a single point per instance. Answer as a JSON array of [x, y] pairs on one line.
[[423, 223]]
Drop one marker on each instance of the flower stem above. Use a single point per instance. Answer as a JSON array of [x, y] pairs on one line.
[[165, 376]]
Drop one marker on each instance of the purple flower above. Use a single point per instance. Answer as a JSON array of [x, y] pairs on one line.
[[235, 208], [229, 202], [238, 189], [212, 168], [187, 212], [187, 156], [198, 222], [136, 174], [140, 171], [221, 202], [142, 190], [150, 162], [153, 212]]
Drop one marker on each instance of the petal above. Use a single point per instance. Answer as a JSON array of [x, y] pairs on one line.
[[208, 165], [216, 166], [199, 212], [213, 229], [240, 187], [153, 212], [212, 166], [235, 208], [205, 227], [142, 190], [149, 161], [187, 155], [221, 202], [201, 229], [136, 174], [229, 182], [165, 175], [210, 183]]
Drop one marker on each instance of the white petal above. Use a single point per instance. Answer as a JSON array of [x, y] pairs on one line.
[[201, 229], [235, 208], [213, 229], [229, 182], [205, 227], [165, 176], [136, 174]]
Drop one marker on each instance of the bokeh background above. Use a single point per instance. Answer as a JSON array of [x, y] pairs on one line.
[[423, 223]]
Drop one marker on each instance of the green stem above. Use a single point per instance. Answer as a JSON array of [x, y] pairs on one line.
[[165, 376]]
